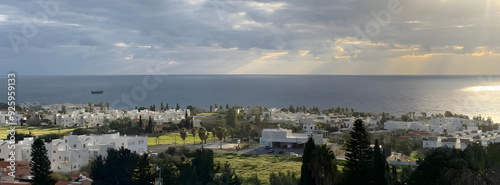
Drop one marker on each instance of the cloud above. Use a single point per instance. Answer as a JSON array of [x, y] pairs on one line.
[[223, 36]]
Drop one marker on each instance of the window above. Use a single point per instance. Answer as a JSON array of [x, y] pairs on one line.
[[83, 145], [53, 151], [74, 146]]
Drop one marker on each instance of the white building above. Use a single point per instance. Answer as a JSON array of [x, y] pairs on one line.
[[284, 138], [73, 151], [402, 125]]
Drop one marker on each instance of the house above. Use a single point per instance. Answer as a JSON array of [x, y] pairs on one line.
[[284, 138], [449, 142], [402, 125], [464, 143], [78, 179], [22, 169], [400, 159], [431, 142]]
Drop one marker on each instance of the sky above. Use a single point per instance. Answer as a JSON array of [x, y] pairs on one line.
[[331, 37]]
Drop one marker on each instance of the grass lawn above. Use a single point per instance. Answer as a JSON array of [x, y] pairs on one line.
[[247, 165], [207, 114], [173, 138], [35, 130]]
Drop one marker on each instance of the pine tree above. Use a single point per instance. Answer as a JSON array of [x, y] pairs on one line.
[[40, 164], [142, 175], [359, 156], [177, 107], [161, 106], [305, 173], [166, 107]]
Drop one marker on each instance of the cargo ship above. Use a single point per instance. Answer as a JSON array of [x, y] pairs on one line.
[[96, 92]]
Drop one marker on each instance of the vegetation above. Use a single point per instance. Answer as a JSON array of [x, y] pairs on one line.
[[251, 168], [186, 167], [359, 156], [37, 130], [121, 167], [40, 164], [474, 165]]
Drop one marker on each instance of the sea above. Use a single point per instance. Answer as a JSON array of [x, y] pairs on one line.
[[397, 95]]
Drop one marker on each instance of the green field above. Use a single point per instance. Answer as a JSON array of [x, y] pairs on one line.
[[35, 130], [172, 138], [207, 114], [262, 165]]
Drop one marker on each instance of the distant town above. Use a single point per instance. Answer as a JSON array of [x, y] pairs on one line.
[[75, 135]]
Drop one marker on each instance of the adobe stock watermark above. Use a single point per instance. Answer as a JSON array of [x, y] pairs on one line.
[[30, 28], [372, 28], [11, 102], [139, 92]]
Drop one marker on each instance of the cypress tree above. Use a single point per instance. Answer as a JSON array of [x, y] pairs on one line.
[[40, 164], [305, 173], [379, 164], [140, 121], [359, 156], [150, 125]]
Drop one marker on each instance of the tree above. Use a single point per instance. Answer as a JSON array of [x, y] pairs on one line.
[[101, 107], [91, 110], [142, 174], [248, 128], [290, 178], [322, 166], [359, 156], [202, 133], [227, 106], [149, 128], [107, 105], [40, 164], [121, 167], [177, 107], [231, 118], [166, 107], [227, 176], [140, 121], [63, 109], [257, 119], [291, 109], [211, 108], [379, 164], [183, 135], [305, 173], [203, 164], [194, 130], [98, 171], [221, 133]]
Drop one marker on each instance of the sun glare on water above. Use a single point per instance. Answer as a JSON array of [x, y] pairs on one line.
[[483, 88]]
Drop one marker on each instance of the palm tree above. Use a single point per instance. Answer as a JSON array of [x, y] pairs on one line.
[[221, 133], [202, 133], [183, 135], [194, 130], [248, 127]]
